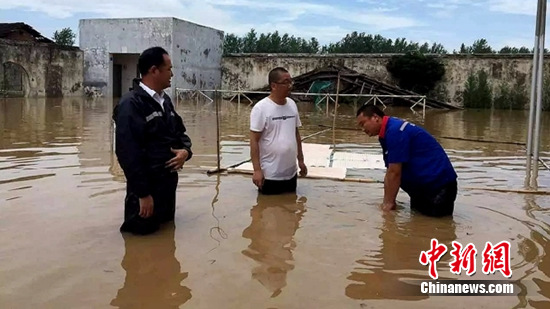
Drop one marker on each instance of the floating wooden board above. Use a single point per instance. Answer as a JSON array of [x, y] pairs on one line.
[[317, 155], [358, 160]]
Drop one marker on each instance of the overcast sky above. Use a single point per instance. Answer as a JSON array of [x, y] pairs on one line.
[[450, 22]]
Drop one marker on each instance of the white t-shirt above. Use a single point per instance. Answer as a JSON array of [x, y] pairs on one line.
[[278, 148]]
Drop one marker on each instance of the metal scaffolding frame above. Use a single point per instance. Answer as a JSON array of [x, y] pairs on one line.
[[377, 98]]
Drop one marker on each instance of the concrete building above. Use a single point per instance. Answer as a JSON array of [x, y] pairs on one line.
[[32, 65], [112, 48]]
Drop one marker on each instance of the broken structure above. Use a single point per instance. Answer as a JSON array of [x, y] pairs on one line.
[[324, 80], [32, 65], [112, 48]]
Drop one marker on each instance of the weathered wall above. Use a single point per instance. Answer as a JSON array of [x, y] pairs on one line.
[[49, 70], [249, 71], [197, 56], [195, 50], [507, 69]]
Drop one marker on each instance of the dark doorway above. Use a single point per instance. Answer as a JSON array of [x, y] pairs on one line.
[[124, 73], [13, 80], [117, 80]]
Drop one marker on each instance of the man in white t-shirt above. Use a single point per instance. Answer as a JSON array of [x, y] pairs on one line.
[[275, 141]]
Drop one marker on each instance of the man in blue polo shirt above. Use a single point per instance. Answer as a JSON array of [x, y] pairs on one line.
[[415, 161]]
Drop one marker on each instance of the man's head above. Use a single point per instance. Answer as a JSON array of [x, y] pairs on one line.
[[280, 82], [155, 68], [369, 118]]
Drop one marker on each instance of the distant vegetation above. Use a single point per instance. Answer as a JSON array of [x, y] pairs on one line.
[[416, 72], [64, 37], [478, 93], [354, 42]]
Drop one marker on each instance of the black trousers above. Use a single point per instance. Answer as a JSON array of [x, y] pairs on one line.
[[272, 187], [437, 203], [163, 192]]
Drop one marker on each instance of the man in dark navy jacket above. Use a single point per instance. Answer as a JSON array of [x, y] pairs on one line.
[[151, 146], [415, 161]]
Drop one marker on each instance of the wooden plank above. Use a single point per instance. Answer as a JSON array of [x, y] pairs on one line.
[[313, 171], [358, 160]]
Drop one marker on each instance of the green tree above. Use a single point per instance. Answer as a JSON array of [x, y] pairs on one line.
[[514, 50], [249, 42], [362, 43], [64, 37], [269, 43], [511, 97], [416, 71], [437, 49], [313, 46], [481, 46], [231, 44], [465, 50], [477, 91], [546, 94]]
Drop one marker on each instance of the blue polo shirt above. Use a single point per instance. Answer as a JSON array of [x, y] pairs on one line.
[[425, 165]]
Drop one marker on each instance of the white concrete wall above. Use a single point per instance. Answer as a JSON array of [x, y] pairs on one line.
[[195, 50], [196, 56], [99, 38]]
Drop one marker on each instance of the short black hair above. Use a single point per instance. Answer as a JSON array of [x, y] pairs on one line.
[[275, 74], [153, 56], [369, 110]]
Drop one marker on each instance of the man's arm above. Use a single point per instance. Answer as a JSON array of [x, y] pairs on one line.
[[258, 177], [392, 181], [299, 143], [255, 149], [184, 138], [398, 150], [300, 157], [130, 127]]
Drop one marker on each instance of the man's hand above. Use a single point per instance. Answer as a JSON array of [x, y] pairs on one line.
[[258, 178], [387, 206], [177, 162], [303, 168], [146, 206]]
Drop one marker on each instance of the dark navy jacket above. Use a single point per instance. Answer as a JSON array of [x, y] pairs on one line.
[[144, 135]]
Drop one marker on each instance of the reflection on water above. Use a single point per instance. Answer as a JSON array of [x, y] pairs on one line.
[[60, 181], [275, 220], [389, 272], [153, 274]]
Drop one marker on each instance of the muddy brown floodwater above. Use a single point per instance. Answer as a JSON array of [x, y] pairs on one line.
[[327, 246]]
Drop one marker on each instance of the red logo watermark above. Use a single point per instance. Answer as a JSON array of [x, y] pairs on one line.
[[495, 257]]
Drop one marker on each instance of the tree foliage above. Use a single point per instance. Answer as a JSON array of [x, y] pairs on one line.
[[478, 92], [368, 43], [416, 71], [514, 50], [64, 37], [354, 42], [514, 97], [269, 43]]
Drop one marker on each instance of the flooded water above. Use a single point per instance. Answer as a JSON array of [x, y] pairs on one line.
[[327, 246]]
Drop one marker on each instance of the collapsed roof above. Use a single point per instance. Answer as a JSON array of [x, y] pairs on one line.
[[8, 29], [323, 80]]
